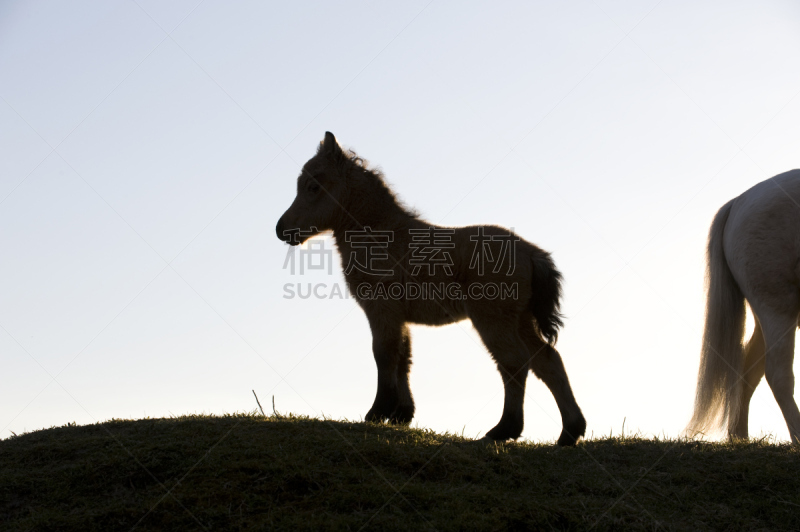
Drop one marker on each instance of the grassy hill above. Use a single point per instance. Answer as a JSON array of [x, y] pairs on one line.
[[250, 472]]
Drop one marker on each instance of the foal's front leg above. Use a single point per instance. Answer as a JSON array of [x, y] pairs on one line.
[[404, 412], [391, 346]]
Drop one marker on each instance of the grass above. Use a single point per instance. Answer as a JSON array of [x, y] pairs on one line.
[[251, 472]]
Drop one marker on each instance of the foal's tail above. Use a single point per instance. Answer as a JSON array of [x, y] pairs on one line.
[[716, 404], [545, 301]]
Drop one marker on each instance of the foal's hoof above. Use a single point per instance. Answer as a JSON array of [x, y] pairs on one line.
[[374, 417], [572, 433], [402, 415], [504, 432], [566, 440]]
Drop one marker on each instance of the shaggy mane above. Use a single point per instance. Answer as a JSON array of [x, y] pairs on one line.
[[377, 179]]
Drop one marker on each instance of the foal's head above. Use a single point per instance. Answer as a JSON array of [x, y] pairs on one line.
[[321, 190]]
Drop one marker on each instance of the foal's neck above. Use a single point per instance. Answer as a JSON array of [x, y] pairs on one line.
[[375, 217], [371, 204]]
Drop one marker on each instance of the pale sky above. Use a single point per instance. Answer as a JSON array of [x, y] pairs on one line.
[[147, 150]]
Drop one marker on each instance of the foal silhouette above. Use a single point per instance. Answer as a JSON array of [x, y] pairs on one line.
[[403, 270]]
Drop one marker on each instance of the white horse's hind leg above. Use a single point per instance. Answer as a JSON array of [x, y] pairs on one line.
[[753, 371], [779, 331]]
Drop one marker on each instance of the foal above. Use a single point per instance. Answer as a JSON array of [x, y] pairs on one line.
[[403, 270]]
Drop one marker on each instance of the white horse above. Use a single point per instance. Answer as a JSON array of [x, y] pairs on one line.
[[753, 256]]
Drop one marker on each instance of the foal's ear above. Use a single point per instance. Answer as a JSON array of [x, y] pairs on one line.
[[329, 145]]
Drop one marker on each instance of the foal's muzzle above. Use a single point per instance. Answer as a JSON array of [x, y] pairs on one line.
[[288, 236]]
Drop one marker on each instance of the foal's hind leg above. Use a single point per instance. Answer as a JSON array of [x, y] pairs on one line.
[[509, 352], [545, 362], [753, 371]]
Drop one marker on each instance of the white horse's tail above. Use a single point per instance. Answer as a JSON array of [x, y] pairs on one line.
[[716, 404]]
